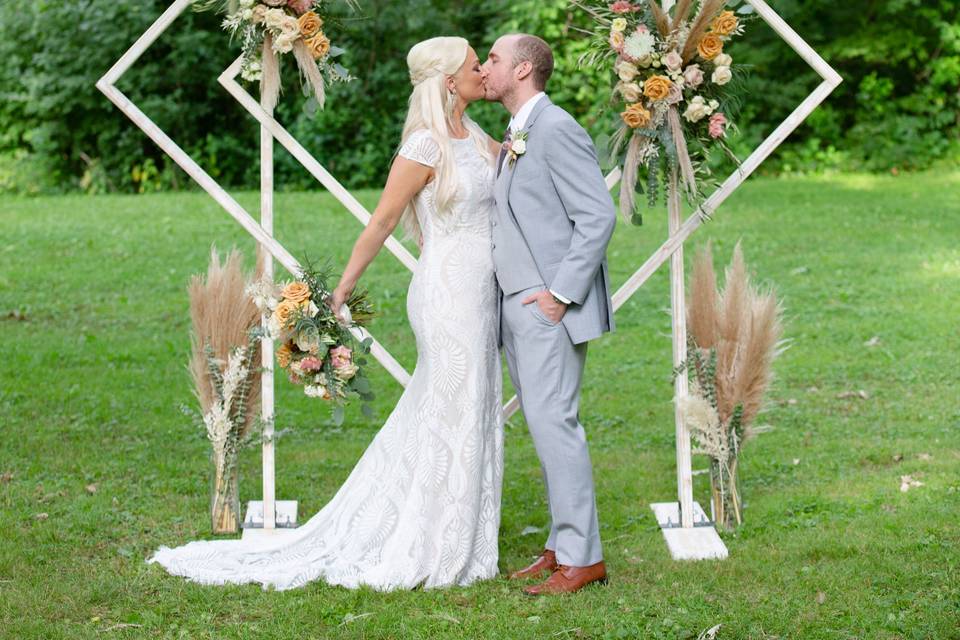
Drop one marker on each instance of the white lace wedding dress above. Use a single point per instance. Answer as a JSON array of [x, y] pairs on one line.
[[422, 506]]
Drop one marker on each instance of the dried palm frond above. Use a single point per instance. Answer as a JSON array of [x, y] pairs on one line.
[[733, 321], [698, 28], [660, 16], [703, 306], [313, 79], [631, 167], [681, 12], [270, 74], [754, 370], [222, 315]]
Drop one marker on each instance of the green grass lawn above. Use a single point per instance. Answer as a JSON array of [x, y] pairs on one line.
[[94, 333]]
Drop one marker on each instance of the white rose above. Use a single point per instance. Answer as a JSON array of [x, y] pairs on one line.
[[697, 109], [346, 372], [247, 14], [308, 341], [693, 76], [290, 26], [721, 75], [519, 147], [274, 18], [713, 105], [673, 61], [626, 71], [284, 43], [630, 91], [273, 328], [723, 60]]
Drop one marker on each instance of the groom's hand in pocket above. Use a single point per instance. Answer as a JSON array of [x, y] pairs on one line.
[[549, 306]]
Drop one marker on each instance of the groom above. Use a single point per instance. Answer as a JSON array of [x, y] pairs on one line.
[[553, 220]]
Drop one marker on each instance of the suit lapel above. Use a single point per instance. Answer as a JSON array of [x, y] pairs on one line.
[[539, 108]]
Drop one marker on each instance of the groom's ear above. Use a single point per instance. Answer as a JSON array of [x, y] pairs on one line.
[[523, 70]]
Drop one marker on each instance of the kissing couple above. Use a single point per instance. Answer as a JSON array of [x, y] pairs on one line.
[[513, 236]]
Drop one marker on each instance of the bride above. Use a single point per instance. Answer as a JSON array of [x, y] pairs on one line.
[[422, 506]]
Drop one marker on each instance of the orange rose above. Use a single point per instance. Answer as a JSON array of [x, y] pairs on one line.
[[725, 23], [296, 291], [284, 355], [710, 47], [319, 45], [284, 312], [309, 23], [657, 87], [636, 116]]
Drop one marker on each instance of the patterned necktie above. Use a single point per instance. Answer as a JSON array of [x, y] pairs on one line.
[[503, 150]]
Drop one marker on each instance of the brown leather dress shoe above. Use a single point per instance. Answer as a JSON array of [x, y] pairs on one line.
[[546, 561], [568, 579]]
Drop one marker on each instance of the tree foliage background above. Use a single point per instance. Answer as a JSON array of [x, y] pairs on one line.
[[898, 109]]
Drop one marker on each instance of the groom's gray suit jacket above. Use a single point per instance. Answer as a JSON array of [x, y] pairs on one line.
[[553, 220]]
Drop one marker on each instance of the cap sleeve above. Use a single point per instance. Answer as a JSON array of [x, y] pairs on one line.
[[421, 147]]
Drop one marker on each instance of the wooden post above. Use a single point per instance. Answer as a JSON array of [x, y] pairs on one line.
[[679, 322], [266, 403]]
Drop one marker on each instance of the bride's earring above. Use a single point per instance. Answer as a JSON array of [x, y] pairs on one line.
[[451, 102]]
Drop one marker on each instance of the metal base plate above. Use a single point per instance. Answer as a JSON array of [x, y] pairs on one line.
[[700, 542], [286, 511]]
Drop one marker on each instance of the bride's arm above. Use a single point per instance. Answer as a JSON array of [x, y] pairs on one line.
[[406, 179]]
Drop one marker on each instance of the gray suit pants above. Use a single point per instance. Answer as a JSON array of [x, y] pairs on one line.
[[546, 369]]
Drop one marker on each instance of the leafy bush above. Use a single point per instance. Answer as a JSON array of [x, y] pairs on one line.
[[897, 109]]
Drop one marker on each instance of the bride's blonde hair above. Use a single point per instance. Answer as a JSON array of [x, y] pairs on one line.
[[431, 107]]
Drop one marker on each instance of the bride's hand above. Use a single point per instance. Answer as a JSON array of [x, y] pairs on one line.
[[337, 300]]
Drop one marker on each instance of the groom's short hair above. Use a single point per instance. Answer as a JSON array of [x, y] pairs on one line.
[[534, 50]]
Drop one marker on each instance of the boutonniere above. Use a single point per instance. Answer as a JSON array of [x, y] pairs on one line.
[[518, 147]]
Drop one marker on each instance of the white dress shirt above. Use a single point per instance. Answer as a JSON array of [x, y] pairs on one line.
[[519, 120], [517, 123]]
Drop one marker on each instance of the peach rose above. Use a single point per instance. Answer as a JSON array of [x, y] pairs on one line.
[[309, 23], [657, 87], [319, 45], [284, 355], [636, 116], [285, 312], [710, 47], [616, 40], [725, 23], [296, 291]]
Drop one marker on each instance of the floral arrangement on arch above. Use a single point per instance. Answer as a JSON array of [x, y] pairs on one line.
[[673, 84], [268, 29], [316, 349]]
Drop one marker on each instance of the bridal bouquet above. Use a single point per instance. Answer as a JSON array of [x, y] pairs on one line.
[[269, 28], [317, 351], [673, 84]]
